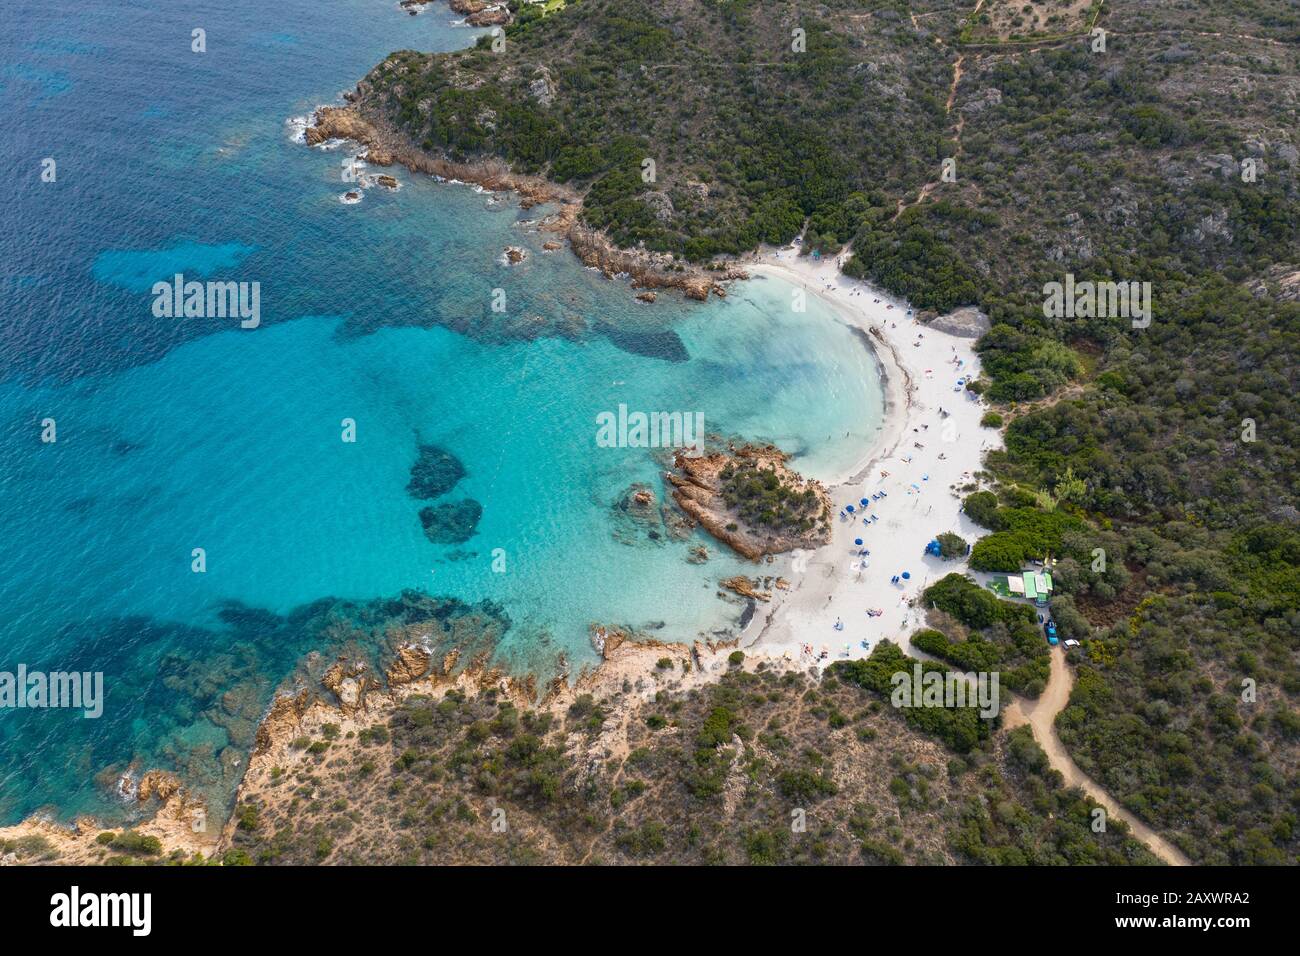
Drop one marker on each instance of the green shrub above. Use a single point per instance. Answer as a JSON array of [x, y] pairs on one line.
[[129, 841], [982, 508], [952, 545]]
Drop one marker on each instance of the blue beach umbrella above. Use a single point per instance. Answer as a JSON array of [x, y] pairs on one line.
[[858, 542], [850, 509], [863, 502], [907, 575]]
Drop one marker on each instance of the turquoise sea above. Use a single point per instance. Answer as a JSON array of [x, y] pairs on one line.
[[177, 434]]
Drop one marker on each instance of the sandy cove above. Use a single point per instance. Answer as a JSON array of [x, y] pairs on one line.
[[918, 380], [832, 583]]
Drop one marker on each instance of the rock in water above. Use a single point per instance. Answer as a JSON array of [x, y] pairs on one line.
[[663, 344], [452, 523], [436, 471]]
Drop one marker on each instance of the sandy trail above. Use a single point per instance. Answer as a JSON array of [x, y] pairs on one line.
[[1040, 715], [958, 127]]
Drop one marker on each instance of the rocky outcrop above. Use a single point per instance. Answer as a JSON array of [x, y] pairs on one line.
[[1281, 282], [348, 681], [698, 484], [158, 783], [648, 270], [344, 122], [497, 16], [410, 664], [435, 472], [452, 522], [745, 588], [281, 720], [543, 88], [968, 322]]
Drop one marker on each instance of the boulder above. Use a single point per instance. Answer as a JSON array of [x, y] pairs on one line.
[[968, 322]]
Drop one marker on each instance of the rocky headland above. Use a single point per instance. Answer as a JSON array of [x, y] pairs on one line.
[[661, 752], [363, 123]]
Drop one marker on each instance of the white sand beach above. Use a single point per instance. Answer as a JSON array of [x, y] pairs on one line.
[[920, 460]]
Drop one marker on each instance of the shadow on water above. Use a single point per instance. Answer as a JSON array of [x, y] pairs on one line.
[[663, 344]]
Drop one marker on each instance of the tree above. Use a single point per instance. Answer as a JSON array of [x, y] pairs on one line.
[[952, 546], [982, 507], [1070, 488]]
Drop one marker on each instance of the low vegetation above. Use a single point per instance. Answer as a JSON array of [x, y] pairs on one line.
[[758, 768], [763, 500]]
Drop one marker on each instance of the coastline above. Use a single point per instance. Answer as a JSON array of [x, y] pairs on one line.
[[774, 631], [384, 145], [922, 495], [348, 699], [194, 680]]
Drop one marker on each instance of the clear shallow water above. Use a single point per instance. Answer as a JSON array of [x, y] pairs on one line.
[[178, 434]]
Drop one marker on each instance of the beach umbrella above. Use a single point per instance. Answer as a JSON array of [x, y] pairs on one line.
[[907, 575], [850, 509], [864, 502], [858, 542]]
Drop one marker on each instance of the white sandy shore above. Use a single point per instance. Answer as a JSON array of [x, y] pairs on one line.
[[922, 494]]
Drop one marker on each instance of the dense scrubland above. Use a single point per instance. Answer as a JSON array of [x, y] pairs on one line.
[[1158, 465], [759, 767]]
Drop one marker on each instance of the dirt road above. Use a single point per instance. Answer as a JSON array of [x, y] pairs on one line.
[[1041, 714]]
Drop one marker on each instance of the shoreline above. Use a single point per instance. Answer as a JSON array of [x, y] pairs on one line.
[[918, 376], [384, 145]]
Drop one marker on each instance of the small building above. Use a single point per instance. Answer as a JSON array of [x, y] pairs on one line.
[[1036, 585]]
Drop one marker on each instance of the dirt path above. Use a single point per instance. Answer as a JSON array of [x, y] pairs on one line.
[[1040, 715], [931, 186]]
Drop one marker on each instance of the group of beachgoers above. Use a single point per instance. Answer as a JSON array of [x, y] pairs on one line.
[[867, 510]]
